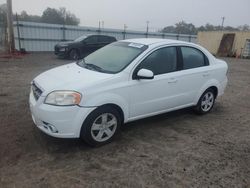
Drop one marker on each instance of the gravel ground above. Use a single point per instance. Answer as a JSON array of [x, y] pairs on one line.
[[177, 149]]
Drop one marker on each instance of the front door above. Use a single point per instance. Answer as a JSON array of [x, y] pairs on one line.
[[160, 93], [90, 45]]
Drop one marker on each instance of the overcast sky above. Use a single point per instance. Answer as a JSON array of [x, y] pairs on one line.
[[135, 13]]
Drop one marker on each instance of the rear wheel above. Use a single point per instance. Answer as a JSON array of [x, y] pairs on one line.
[[101, 126], [206, 102], [74, 54]]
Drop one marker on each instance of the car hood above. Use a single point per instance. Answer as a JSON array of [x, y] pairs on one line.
[[69, 77], [66, 43]]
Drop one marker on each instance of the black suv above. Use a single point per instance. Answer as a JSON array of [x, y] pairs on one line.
[[82, 46]]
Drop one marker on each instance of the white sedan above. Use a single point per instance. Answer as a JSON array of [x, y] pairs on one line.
[[122, 82]]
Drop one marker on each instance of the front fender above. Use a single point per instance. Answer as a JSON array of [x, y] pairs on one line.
[[109, 98]]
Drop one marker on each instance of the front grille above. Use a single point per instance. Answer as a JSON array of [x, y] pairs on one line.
[[37, 92]]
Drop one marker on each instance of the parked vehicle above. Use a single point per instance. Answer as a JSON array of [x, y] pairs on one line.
[[122, 82], [82, 46]]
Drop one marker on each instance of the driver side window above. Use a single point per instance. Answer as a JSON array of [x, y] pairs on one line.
[[161, 61], [91, 40]]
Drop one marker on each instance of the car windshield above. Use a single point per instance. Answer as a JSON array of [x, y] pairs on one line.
[[113, 58], [80, 38]]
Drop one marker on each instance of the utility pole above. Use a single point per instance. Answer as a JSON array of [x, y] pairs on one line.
[[99, 26], [222, 24], [147, 29], [11, 42], [18, 33], [124, 31], [64, 23], [102, 24]]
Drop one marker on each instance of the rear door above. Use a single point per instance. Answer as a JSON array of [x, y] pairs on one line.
[[194, 74]]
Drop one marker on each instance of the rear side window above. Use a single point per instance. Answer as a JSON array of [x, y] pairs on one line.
[[103, 39], [112, 39], [192, 58], [161, 61]]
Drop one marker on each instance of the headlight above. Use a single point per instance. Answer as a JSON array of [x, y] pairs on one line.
[[63, 45], [62, 49], [63, 98]]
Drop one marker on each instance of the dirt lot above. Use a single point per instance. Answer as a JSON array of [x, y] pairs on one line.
[[178, 149]]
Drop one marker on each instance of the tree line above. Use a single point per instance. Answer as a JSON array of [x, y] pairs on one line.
[[49, 15], [188, 28], [62, 16]]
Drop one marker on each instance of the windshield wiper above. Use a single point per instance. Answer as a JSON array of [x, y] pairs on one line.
[[79, 61], [90, 66], [93, 67]]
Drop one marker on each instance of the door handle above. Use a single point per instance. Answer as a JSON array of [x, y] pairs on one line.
[[172, 81], [205, 74]]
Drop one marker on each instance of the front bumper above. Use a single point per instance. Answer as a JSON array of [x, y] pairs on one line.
[[58, 121], [60, 53]]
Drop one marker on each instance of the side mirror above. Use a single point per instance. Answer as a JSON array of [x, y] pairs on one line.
[[145, 74]]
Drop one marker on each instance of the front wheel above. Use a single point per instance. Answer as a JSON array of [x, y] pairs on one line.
[[74, 54], [206, 102], [101, 126]]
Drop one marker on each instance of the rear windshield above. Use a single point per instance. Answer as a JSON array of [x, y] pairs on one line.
[[113, 58]]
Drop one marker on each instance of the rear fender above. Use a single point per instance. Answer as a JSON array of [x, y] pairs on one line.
[[210, 83]]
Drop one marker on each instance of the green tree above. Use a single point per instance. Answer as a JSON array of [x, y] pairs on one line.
[[30, 18], [188, 28], [185, 28], [244, 27], [181, 28], [169, 29], [3, 14], [61, 16], [50, 15]]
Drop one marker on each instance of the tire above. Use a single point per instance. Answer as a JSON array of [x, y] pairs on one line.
[[101, 126], [206, 102], [74, 54]]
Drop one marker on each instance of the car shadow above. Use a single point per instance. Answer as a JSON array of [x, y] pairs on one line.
[[62, 145], [158, 119]]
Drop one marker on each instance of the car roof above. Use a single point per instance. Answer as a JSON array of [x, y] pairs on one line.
[[155, 42], [151, 41], [90, 35]]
